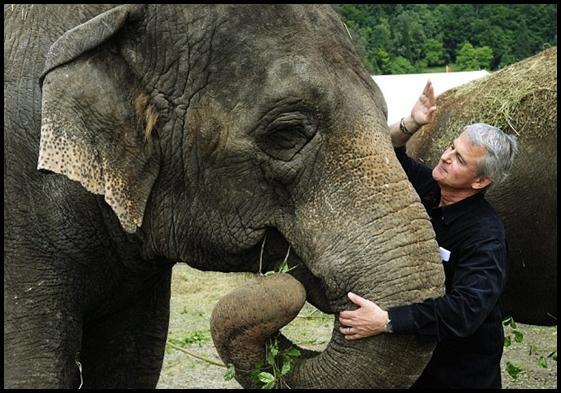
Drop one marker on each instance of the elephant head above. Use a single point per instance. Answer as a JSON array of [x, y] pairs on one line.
[[208, 128]]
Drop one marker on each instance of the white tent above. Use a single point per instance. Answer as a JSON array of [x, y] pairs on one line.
[[402, 91]]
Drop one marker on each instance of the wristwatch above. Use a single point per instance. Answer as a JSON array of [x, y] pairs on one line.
[[403, 128], [389, 327]]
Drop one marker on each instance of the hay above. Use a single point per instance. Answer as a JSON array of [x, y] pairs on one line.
[[520, 99]]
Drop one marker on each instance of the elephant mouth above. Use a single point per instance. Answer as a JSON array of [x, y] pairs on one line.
[[275, 253]]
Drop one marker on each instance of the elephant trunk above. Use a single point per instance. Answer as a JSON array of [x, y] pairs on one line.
[[272, 302], [240, 337], [364, 230]]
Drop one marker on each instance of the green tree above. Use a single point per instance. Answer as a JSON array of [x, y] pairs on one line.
[[400, 65], [465, 59], [408, 36], [434, 52], [383, 61], [455, 23], [507, 59], [471, 58], [483, 56], [385, 32]]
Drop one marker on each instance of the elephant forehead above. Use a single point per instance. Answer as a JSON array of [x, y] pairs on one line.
[[295, 65]]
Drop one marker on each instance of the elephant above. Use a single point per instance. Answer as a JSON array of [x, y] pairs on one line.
[[140, 136], [521, 99]]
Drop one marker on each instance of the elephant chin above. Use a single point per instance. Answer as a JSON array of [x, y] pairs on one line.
[[243, 320]]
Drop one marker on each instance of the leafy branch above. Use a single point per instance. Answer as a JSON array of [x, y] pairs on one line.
[[268, 373], [283, 267], [514, 369], [278, 363]]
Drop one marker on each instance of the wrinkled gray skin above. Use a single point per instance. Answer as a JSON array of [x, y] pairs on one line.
[[189, 133]]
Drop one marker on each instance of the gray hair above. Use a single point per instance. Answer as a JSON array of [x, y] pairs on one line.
[[501, 149]]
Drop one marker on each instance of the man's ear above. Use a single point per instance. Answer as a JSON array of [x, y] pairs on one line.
[[481, 182], [97, 125]]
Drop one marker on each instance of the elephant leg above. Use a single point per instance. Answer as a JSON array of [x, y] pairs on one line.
[[42, 335], [126, 349]]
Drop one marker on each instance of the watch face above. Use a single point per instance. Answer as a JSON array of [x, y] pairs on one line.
[[389, 327]]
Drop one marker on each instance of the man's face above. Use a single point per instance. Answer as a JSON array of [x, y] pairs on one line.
[[458, 165]]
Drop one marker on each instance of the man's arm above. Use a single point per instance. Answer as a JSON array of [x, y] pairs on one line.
[[421, 114], [477, 285]]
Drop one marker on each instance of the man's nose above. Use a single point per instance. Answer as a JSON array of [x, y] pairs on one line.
[[446, 156]]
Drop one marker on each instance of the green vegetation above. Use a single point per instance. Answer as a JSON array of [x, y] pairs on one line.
[[270, 373], [405, 38], [279, 362], [198, 337], [514, 369], [195, 293]]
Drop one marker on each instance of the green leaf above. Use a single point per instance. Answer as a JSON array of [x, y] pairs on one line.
[[266, 377], [272, 352], [274, 349], [286, 366], [542, 362], [283, 268], [518, 336], [509, 321], [507, 341], [254, 376], [293, 352], [270, 273], [230, 372], [270, 359], [269, 385], [513, 370]]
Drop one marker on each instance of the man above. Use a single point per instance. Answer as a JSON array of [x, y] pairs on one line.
[[465, 322]]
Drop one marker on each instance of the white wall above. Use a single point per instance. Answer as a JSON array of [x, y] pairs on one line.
[[401, 91]]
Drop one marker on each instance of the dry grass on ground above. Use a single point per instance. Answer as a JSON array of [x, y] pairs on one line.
[[194, 294]]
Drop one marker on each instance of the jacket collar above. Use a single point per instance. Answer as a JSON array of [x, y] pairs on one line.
[[456, 210]]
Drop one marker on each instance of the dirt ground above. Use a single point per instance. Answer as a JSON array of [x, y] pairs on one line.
[[194, 294]]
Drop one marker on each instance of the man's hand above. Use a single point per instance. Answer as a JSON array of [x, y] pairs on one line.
[[367, 320], [421, 114], [423, 110]]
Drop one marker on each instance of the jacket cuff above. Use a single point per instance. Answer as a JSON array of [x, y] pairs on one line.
[[402, 319]]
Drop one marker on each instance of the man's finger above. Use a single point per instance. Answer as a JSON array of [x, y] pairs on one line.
[[345, 321], [359, 301], [347, 315], [427, 87], [352, 337]]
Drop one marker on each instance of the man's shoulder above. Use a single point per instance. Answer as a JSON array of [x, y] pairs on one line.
[[484, 222], [490, 215], [487, 229]]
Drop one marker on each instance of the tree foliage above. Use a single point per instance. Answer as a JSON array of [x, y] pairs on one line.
[[397, 38]]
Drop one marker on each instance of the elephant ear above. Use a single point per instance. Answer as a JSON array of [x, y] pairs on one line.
[[96, 122]]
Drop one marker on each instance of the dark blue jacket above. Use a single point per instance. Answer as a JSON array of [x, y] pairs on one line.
[[466, 322]]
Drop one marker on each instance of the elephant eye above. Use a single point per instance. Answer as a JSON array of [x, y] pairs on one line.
[[286, 135]]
